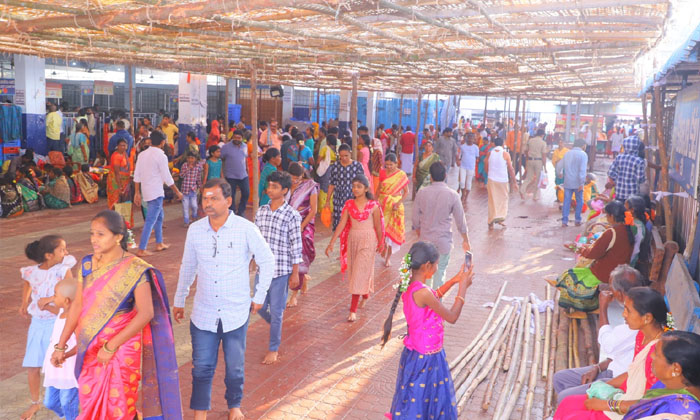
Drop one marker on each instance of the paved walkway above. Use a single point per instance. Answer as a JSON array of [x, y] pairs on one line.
[[329, 368]]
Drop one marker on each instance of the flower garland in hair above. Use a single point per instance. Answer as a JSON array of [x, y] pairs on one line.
[[130, 241], [629, 218], [404, 273]]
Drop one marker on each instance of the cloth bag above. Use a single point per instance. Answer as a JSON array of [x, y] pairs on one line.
[[124, 210], [326, 216], [324, 164]]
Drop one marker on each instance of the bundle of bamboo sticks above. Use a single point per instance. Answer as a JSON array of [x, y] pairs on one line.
[[518, 349]]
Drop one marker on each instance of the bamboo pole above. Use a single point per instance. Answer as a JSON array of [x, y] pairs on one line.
[[567, 132], [401, 113], [254, 135], [520, 154], [415, 145], [577, 360], [132, 126], [548, 393], [594, 138], [530, 398], [661, 143], [318, 106], [522, 371], [647, 140], [515, 127], [467, 387], [547, 331], [562, 341], [353, 116], [578, 119], [588, 343], [483, 328], [226, 121], [508, 382], [570, 341], [459, 367], [437, 105], [501, 354]]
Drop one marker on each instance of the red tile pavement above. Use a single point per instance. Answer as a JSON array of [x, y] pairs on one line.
[[329, 368]]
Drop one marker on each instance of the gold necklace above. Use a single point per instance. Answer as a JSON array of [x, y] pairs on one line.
[[645, 342]]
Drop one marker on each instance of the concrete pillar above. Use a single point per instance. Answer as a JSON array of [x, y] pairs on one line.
[[287, 104], [371, 111], [30, 95], [192, 110], [344, 112], [567, 132]]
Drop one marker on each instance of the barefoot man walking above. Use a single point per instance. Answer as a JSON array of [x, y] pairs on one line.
[[218, 251]]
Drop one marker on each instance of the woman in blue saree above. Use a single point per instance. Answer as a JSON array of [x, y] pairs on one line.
[[676, 364], [125, 341]]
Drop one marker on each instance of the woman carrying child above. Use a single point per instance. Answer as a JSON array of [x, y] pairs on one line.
[[361, 231], [125, 340], [39, 280], [424, 387]]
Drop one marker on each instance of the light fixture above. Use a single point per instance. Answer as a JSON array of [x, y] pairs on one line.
[[73, 63]]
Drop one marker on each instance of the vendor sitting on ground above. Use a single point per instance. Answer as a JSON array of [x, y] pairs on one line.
[[616, 342], [579, 285]]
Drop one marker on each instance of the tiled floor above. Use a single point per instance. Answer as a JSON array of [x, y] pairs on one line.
[[329, 368]]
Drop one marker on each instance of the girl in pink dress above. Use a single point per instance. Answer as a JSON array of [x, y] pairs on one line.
[[424, 387]]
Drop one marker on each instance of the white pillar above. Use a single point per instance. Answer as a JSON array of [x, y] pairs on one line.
[[192, 109], [30, 95], [371, 112], [287, 104]]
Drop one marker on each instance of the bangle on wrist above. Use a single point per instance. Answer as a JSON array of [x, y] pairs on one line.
[[105, 348], [460, 297], [61, 349]]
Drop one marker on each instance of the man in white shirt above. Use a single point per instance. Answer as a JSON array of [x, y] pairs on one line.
[[468, 153], [218, 251], [150, 174], [616, 342]]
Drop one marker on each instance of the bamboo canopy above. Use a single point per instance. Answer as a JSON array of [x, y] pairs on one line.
[[561, 49]]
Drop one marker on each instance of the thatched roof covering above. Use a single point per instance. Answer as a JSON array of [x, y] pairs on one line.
[[539, 48]]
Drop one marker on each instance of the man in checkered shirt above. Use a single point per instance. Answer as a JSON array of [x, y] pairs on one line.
[[628, 170], [280, 225]]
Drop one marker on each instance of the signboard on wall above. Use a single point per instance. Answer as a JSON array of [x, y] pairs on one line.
[[685, 140], [104, 88], [560, 125], [7, 86], [54, 90], [86, 88]]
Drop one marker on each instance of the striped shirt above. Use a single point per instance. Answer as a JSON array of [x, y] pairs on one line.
[[220, 260]]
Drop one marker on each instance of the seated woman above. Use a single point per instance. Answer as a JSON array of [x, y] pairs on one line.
[[88, 186], [29, 187], [677, 365], [57, 193], [645, 311], [75, 194], [10, 197], [579, 285]]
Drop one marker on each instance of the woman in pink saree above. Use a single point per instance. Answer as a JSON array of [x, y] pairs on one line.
[[122, 322], [303, 197]]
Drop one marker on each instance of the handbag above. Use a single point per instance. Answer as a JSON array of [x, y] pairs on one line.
[[603, 391], [324, 164]]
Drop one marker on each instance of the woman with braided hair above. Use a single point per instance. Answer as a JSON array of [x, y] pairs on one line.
[[424, 387]]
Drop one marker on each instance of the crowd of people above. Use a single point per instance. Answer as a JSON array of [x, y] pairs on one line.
[[101, 335]]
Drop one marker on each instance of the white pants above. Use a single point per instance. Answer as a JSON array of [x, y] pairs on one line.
[[453, 177], [465, 178], [407, 163]]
